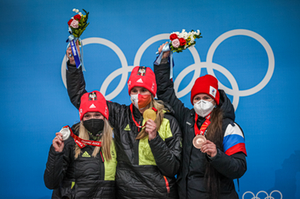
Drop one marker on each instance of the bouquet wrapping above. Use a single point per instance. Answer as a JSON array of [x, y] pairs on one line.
[[77, 25]]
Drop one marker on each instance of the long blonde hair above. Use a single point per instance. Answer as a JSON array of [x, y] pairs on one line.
[[159, 105], [106, 139]]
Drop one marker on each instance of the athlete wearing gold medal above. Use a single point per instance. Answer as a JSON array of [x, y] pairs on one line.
[[147, 136]]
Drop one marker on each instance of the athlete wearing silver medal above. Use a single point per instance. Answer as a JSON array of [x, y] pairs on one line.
[[82, 159], [65, 133]]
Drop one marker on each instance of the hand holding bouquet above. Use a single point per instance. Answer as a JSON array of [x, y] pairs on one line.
[[77, 24]]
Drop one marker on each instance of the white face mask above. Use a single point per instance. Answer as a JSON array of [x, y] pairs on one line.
[[203, 108], [140, 101], [134, 100]]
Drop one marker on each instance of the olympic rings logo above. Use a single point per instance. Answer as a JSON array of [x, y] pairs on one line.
[[196, 67], [267, 196]]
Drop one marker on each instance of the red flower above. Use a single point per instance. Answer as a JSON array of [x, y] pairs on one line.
[[77, 17], [173, 36], [182, 42], [70, 21]]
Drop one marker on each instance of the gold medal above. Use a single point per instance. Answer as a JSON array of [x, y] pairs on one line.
[[198, 141], [149, 114]]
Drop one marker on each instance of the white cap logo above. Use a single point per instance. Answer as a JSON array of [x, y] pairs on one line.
[[92, 106], [212, 91], [140, 80]]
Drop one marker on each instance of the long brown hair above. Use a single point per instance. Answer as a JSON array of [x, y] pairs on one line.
[[159, 106], [214, 134], [106, 139]]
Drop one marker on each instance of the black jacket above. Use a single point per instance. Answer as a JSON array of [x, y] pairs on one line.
[[85, 177], [191, 181], [146, 169]]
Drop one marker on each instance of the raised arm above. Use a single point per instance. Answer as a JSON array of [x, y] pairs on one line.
[[165, 88], [76, 88], [75, 84], [75, 79]]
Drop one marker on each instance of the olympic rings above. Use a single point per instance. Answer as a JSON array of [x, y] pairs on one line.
[[196, 67], [267, 195]]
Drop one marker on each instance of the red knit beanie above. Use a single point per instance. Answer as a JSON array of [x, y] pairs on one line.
[[143, 77], [93, 102], [207, 84]]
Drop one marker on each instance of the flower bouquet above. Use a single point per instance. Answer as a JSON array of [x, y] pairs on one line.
[[77, 24], [181, 41], [178, 43]]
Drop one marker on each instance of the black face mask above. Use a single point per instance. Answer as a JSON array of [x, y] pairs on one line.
[[94, 125]]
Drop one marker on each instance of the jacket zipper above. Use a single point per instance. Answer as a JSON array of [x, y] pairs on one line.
[[167, 184]]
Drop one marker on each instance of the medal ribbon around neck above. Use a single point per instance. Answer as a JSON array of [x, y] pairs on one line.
[[82, 142], [203, 127], [135, 122]]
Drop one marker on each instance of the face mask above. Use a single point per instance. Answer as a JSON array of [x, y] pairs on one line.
[[94, 125], [203, 108], [140, 101]]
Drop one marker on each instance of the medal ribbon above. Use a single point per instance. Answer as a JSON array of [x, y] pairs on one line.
[[71, 39], [82, 142], [203, 127], [158, 59], [136, 124]]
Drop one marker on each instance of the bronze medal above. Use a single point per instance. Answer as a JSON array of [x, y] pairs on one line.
[[149, 114], [65, 132], [198, 141]]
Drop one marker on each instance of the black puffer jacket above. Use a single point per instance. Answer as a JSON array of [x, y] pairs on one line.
[[146, 169], [191, 181], [85, 177]]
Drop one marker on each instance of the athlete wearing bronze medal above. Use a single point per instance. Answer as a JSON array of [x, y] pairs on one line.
[[82, 159], [209, 163], [198, 141]]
